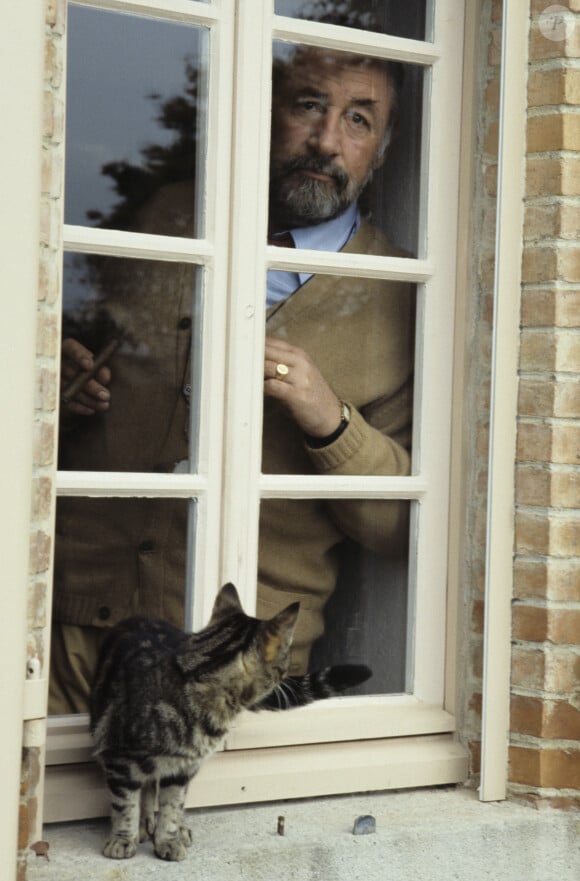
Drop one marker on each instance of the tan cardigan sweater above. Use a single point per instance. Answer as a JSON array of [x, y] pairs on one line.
[[117, 557]]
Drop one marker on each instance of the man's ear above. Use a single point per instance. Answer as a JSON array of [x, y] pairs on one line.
[[383, 149], [380, 158]]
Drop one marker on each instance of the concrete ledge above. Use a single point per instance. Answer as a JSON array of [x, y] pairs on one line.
[[421, 835]]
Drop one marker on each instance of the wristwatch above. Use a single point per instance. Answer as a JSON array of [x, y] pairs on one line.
[[316, 443]]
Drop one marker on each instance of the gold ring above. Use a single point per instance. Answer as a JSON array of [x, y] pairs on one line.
[[281, 371]]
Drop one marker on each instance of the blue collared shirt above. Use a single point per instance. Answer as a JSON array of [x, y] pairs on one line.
[[332, 235]]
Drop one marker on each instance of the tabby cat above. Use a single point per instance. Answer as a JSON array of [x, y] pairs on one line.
[[162, 701]]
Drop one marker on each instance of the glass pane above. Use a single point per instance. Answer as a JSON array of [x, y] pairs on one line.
[[134, 414], [342, 339], [347, 563], [113, 558], [136, 106], [406, 19], [345, 150]]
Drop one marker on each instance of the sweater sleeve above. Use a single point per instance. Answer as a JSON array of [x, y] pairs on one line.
[[363, 449]]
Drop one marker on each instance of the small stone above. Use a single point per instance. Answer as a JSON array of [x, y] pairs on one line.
[[41, 848], [365, 825]]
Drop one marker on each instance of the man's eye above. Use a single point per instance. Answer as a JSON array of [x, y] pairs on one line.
[[309, 105], [359, 120]]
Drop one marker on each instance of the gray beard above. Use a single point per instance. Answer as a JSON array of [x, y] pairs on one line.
[[308, 201]]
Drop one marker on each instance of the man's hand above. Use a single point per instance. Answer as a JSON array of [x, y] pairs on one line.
[[94, 396], [303, 390]]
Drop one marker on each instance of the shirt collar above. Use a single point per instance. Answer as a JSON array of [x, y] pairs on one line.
[[331, 235]]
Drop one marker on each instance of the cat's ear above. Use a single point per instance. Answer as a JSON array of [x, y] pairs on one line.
[[277, 633], [226, 603]]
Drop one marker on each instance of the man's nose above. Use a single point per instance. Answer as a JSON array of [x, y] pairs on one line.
[[325, 134]]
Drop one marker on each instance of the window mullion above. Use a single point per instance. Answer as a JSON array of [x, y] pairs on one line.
[[353, 265], [433, 382], [119, 243], [206, 557], [313, 33], [325, 486], [183, 11], [247, 299]]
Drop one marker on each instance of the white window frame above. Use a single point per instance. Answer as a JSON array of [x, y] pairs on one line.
[[436, 281], [409, 731], [21, 62]]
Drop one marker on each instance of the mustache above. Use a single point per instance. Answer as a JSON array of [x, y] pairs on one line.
[[316, 164]]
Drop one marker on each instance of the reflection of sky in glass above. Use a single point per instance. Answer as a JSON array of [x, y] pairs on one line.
[[115, 62]]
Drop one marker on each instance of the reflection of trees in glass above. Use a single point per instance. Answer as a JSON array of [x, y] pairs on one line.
[[95, 283], [161, 164], [383, 16], [350, 14]]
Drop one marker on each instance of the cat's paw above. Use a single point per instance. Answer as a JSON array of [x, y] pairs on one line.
[[171, 849], [119, 848], [185, 836]]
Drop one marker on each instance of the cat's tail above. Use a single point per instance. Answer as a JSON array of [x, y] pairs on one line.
[[296, 691]]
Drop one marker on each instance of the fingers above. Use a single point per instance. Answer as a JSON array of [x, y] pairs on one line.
[[303, 390], [85, 378], [291, 361]]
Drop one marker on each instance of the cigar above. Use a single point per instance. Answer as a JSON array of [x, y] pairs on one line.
[[81, 379]]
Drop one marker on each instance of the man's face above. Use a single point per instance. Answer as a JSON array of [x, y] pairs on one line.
[[329, 119]]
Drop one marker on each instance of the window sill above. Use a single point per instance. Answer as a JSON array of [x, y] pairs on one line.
[[76, 792], [424, 834]]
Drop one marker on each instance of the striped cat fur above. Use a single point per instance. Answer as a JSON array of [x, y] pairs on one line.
[[163, 701]]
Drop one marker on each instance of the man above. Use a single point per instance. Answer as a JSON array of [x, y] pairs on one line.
[[343, 407], [338, 359]]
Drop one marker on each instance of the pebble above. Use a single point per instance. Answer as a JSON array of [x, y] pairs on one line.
[[364, 825]]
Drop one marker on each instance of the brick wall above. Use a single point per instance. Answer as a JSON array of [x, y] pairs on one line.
[[45, 409], [545, 703], [545, 692]]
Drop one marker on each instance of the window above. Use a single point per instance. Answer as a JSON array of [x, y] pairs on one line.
[[166, 263]]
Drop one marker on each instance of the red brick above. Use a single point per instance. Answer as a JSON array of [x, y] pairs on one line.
[[477, 616], [475, 752], [526, 715], [533, 485], [538, 350], [564, 626], [561, 721], [40, 546], [528, 668], [553, 131], [529, 623], [532, 533], [547, 719], [562, 670], [547, 768], [567, 398], [536, 397], [563, 580], [566, 444], [530, 578], [553, 176], [541, 48], [534, 442], [539, 264]]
